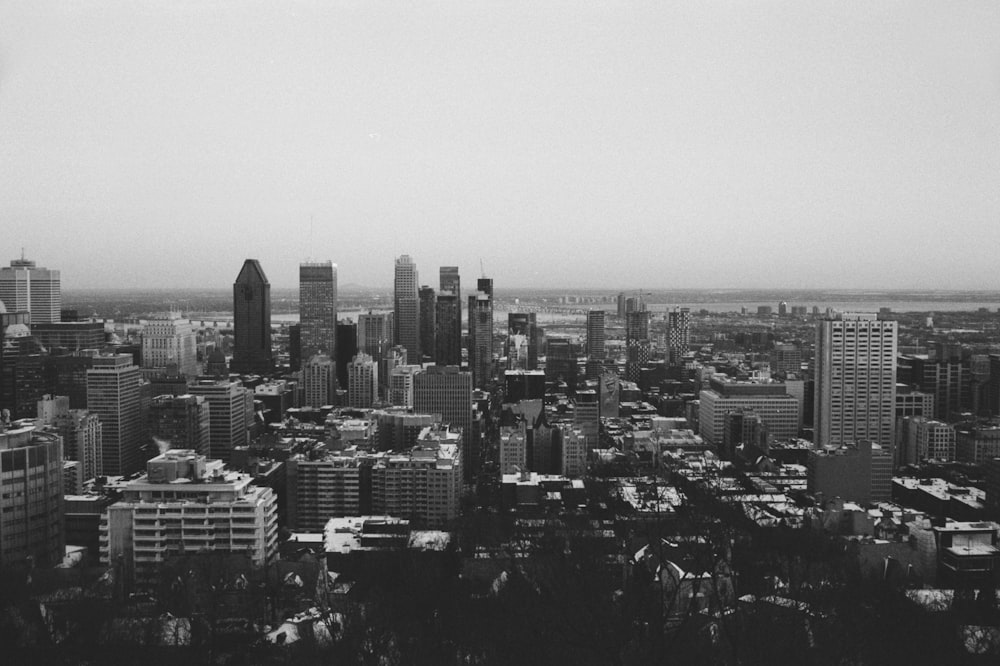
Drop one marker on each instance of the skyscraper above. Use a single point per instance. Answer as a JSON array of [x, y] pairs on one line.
[[362, 381], [25, 287], [481, 333], [31, 496], [678, 334], [182, 422], [375, 333], [448, 318], [637, 345], [523, 325], [113, 395], [428, 310], [252, 321], [319, 377], [855, 379], [407, 306], [318, 308], [595, 343], [230, 414]]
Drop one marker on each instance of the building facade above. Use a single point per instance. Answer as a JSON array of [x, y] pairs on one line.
[[252, 321], [318, 308], [25, 287], [113, 395], [407, 306]]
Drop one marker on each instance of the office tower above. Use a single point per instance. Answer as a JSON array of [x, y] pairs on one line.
[[481, 333], [620, 302], [169, 339], [522, 327], [634, 304], [252, 321], [347, 348], [782, 309], [375, 333], [920, 438], [319, 379], [779, 411], [181, 422], [447, 391], [638, 348], [230, 414], [294, 348], [514, 448], [786, 358], [31, 496], [69, 336], [587, 415], [394, 357], [401, 385], [187, 504], [947, 376], [318, 308], [407, 306], [573, 445], [362, 381], [448, 318], [857, 472], [428, 331], [595, 342], [398, 430], [678, 334], [560, 362], [113, 395], [855, 362], [25, 287]]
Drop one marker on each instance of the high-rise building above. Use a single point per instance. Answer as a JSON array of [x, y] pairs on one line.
[[252, 321], [113, 395], [638, 348], [230, 414], [31, 496], [80, 430], [481, 333], [169, 339], [920, 438], [595, 343], [362, 381], [523, 341], [187, 504], [318, 308], [319, 378], [428, 331], [448, 318], [778, 410], [407, 306], [401, 385], [180, 422], [573, 451], [447, 391], [347, 348], [25, 287], [786, 358], [375, 333], [678, 334], [855, 393], [948, 377]]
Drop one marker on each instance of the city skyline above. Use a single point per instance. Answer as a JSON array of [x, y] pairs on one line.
[[830, 146]]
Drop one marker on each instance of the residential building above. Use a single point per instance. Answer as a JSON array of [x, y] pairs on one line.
[[187, 504]]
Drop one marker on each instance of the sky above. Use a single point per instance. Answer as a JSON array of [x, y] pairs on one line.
[[719, 144]]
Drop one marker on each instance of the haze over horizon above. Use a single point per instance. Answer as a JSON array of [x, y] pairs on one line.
[[844, 145]]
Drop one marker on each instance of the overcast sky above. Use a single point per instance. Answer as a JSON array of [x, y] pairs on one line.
[[653, 144]]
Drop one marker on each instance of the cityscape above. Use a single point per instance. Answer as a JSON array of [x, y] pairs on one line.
[[433, 473], [499, 333]]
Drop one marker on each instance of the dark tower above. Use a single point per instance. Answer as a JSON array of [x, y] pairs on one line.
[[448, 319], [481, 333], [252, 321], [428, 307], [347, 348]]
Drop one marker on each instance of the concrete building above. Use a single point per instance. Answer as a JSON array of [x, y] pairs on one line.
[[318, 309], [230, 410], [855, 362], [587, 415], [786, 358], [678, 334], [362, 381], [375, 333], [31, 496], [187, 504], [319, 379], [447, 391], [25, 287], [911, 402], [921, 438], [977, 444], [398, 431], [169, 339], [113, 395], [407, 306], [252, 321], [428, 328], [573, 446], [401, 385], [596, 339], [181, 422], [778, 410], [857, 472], [513, 448], [523, 335], [421, 484], [481, 333], [71, 336]]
